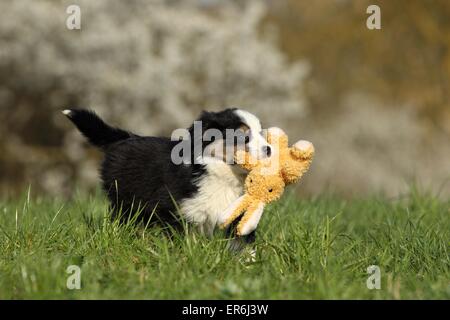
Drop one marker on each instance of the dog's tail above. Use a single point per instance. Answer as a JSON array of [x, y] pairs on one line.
[[95, 129]]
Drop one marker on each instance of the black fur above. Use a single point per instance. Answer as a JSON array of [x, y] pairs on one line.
[[138, 172], [95, 129]]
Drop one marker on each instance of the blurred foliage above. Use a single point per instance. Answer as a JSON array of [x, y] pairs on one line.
[[150, 67], [407, 61], [375, 103]]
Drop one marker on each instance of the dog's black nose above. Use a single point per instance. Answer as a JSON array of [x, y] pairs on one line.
[[267, 151]]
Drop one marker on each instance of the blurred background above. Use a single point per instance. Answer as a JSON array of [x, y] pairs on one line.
[[374, 102]]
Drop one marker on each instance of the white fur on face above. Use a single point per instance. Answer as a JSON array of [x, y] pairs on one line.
[[257, 140]]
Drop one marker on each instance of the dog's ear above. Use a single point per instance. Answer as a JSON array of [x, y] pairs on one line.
[[219, 120], [209, 120]]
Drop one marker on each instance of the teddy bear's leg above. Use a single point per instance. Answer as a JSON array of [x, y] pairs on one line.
[[251, 218], [233, 211]]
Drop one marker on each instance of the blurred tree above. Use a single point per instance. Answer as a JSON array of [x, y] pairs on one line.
[[148, 66], [407, 61], [377, 104]]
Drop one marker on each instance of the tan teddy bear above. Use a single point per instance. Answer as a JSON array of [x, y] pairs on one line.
[[267, 178]]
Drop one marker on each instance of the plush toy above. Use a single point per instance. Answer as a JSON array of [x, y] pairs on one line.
[[267, 178]]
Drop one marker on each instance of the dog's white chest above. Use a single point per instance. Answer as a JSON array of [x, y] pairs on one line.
[[217, 189]]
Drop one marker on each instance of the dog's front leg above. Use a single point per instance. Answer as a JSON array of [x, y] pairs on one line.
[[239, 244]]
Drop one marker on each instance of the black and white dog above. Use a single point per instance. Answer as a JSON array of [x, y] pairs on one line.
[[140, 172]]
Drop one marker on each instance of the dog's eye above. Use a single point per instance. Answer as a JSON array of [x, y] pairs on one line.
[[243, 133], [270, 190]]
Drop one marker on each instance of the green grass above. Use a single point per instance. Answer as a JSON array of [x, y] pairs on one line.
[[318, 248]]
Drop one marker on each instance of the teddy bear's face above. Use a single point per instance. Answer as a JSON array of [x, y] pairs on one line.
[[265, 187]]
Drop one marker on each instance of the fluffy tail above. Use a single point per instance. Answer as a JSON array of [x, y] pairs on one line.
[[95, 129]]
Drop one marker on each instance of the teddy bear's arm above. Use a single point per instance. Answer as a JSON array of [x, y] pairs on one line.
[[234, 210], [251, 218], [293, 170]]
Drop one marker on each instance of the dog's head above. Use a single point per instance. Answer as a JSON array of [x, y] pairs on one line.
[[223, 132]]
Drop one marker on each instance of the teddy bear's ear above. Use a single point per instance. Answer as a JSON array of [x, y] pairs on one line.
[[302, 150], [277, 137]]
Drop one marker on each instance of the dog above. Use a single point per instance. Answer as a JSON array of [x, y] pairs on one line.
[[140, 176]]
